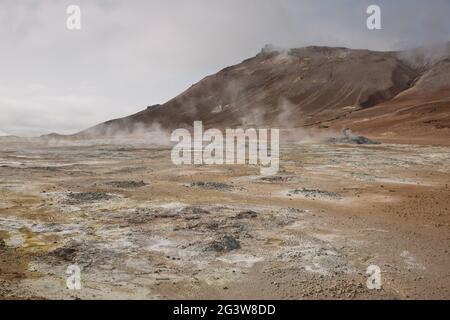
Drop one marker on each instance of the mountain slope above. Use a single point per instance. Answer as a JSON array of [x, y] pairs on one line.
[[312, 86], [421, 113]]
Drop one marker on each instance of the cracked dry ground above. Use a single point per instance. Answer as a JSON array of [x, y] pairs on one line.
[[140, 227]]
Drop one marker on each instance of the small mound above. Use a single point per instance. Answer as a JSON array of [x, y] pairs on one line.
[[88, 196], [276, 179], [211, 185], [316, 193], [225, 244], [247, 214], [352, 140], [68, 252], [127, 184]]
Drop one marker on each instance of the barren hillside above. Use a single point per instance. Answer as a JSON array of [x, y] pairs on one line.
[[390, 95]]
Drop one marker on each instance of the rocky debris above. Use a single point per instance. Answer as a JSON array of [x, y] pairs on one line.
[[77, 197], [121, 258], [345, 288], [337, 289], [294, 211], [225, 244], [205, 227], [348, 138], [316, 257], [2, 243], [127, 184], [193, 210], [288, 216], [66, 253], [364, 177], [239, 228], [276, 178], [211, 185], [316, 193], [152, 213], [212, 225], [140, 217], [247, 214], [87, 254], [352, 140], [143, 215]]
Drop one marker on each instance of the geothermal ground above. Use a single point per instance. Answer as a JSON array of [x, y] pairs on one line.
[[140, 227]]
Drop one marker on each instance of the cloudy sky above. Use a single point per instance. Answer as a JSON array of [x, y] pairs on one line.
[[131, 54]]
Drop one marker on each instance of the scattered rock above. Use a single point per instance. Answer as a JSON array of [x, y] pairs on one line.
[[194, 211], [288, 216], [225, 244], [213, 225], [88, 196], [66, 253], [316, 193], [276, 178], [211, 185], [246, 214], [352, 140], [144, 215], [127, 184]]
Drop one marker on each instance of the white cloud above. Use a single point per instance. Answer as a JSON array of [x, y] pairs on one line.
[[36, 109], [130, 54]]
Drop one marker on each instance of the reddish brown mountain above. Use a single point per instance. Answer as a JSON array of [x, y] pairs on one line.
[[386, 94]]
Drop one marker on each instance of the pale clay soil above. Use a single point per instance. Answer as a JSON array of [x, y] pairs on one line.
[[140, 227]]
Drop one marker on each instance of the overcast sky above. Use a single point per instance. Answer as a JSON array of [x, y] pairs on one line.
[[130, 54]]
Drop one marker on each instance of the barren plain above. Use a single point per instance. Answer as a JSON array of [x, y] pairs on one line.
[[140, 227]]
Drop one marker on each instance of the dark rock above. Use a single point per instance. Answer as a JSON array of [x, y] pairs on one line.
[[211, 185], [246, 214], [276, 178], [127, 184], [194, 211], [225, 244], [89, 196], [67, 253], [352, 140], [316, 193]]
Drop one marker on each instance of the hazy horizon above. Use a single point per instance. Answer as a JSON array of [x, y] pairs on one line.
[[130, 55]]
